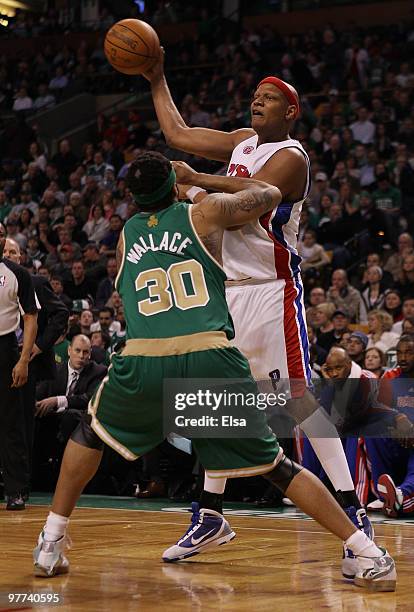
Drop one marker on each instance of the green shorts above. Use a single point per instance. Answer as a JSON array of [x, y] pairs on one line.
[[127, 408]]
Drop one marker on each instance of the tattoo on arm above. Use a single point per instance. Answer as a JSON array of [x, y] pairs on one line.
[[212, 239], [244, 202], [212, 242], [119, 254]]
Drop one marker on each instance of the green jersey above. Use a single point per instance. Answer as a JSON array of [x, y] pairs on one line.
[[170, 285]]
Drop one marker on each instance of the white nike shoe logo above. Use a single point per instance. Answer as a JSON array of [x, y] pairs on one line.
[[195, 541]]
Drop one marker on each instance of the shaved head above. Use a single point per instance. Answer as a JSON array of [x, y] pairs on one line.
[[338, 364]]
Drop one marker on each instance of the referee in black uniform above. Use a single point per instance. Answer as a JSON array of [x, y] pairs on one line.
[[17, 298], [52, 322]]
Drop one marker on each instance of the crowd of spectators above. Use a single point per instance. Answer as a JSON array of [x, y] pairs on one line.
[[66, 210]]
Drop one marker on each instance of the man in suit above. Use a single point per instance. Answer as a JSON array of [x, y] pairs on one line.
[[66, 397], [52, 322]]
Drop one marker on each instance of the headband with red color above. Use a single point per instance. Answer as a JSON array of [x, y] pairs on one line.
[[285, 89]]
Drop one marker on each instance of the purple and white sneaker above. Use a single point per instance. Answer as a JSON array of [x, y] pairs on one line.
[[362, 522], [208, 529]]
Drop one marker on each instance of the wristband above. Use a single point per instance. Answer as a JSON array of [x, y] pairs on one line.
[[192, 192]]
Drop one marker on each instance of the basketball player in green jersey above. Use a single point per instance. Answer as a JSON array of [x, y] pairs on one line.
[[177, 331]]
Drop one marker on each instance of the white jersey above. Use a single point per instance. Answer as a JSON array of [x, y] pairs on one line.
[[265, 249]]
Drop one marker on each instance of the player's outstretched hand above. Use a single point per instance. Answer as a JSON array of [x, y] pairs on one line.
[[156, 72], [185, 173]]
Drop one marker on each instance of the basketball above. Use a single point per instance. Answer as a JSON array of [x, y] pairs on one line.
[[132, 46]]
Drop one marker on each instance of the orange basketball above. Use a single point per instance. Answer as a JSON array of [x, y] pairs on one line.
[[132, 46]]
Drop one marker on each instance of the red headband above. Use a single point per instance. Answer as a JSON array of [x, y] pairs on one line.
[[285, 89]]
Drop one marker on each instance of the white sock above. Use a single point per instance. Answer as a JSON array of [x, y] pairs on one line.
[[327, 445], [360, 544], [55, 526], [214, 485]]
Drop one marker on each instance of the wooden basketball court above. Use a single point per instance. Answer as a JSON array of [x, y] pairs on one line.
[[279, 558]]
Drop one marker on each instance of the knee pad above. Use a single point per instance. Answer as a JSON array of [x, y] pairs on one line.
[[283, 474], [85, 435]]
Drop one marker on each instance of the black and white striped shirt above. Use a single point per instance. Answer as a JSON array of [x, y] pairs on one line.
[[17, 295]]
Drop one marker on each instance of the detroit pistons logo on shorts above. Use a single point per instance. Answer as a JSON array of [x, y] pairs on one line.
[[248, 149], [2, 280]]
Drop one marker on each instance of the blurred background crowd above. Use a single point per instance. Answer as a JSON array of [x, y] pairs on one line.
[[65, 205]]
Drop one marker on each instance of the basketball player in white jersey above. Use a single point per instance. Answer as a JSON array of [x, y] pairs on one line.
[[265, 293]]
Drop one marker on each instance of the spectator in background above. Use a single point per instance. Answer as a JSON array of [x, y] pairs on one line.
[[94, 261], [13, 232], [323, 318], [363, 129], [22, 102], [106, 322], [317, 295], [408, 326], [335, 233], [356, 346], [59, 81], [340, 323], [319, 189], [25, 201], [65, 160], [344, 296], [5, 206], [405, 283], [393, 304], [138, 133], [342, 176], [333, 154], [71, 225], [44, 99], [375, 259], [98, 168], [378, 227], [198, 117], [375, 361], [405, 244], [313, 254], [386, 197], [407, 313], [373, 296], [116, 133], [380, 334], [107, 284], [86, 320], [79, 287], [317, 353], [57, 285], [111, 237], [97, 227], [111, 156]]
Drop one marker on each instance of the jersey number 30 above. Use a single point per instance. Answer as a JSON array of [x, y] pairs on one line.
[[163, 285]]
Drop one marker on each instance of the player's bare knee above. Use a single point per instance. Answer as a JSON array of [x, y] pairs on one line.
[[283, 474]]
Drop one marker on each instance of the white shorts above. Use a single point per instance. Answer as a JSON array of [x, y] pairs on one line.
[[270, 327]]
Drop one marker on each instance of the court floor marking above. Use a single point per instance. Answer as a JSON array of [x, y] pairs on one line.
[[295, 516], [140, 522]]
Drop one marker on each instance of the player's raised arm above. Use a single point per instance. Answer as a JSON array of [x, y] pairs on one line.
[[287, 170], [212, 144], [228, 210]]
